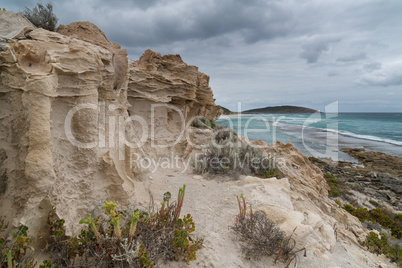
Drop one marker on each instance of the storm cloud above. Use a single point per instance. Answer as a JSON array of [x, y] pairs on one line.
[[354, 57], [313, 49], [390, 75], [264, 52]]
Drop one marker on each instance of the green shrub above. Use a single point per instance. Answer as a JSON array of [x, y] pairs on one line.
[[381, 246], [382, 216], [18, 251], [374, 203], [336, 186], [129, 239], [271, 173], [228, 154], [203, 122], [362, 214], [348, 208], [387, 220], [41, 16], [48, 264]]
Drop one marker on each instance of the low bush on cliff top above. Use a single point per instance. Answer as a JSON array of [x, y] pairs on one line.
[[41, 16], [260, 237], [137, 239], [228, 154]]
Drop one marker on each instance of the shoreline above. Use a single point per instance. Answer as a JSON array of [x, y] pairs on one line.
[[337, 141], [316, 142], [371, 169]]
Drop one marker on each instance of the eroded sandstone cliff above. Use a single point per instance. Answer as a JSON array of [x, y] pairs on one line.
[[76, 115]]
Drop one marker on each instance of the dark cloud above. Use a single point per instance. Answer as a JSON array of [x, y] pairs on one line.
[[125, 4], [372, 66], [312, 49], [390, 75], [263, 52], [174, 21], [355, 57], [332, 73]]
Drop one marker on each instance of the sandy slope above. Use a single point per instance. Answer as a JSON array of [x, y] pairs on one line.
[[212, 202]]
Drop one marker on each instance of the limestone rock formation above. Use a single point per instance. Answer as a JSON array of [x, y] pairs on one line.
[[167, 79], [88, 32], [378, 177], [73, 111], [12, 25], [317, 218], [154, 76]]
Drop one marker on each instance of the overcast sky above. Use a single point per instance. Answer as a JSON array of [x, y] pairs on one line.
[[264, 52]]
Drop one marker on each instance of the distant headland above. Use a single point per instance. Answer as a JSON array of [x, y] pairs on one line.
[[286, 109]]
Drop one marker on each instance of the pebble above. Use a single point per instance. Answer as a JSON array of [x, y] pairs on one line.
[[198, 177]]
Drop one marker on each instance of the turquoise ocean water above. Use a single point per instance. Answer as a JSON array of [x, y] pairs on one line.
[[324, 135]]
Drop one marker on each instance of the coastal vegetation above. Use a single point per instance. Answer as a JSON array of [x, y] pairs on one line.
[[378, 172], [336, 186], [270, 173], [383, 221], [41, 16], [138, 238], [382, 216], [16, 251], [229, 154], [379, 244], [260, 237], [203, 122]]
